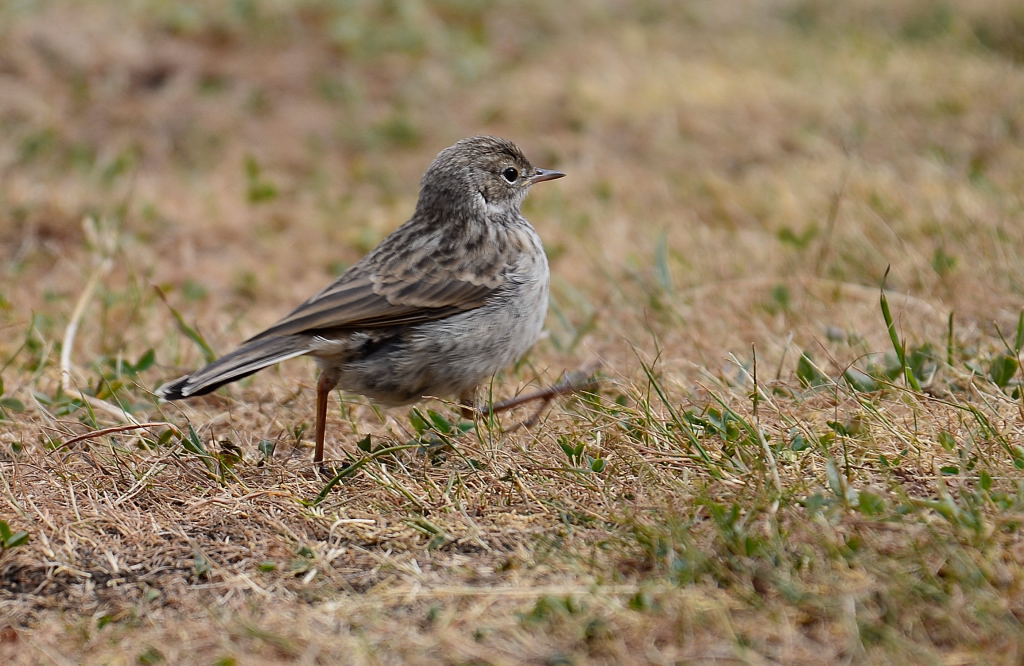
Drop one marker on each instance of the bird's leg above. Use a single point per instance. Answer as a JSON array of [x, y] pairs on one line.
[[466, 401], [324, 384], [583, 379]]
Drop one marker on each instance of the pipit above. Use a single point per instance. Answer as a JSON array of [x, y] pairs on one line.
[[454, 295]]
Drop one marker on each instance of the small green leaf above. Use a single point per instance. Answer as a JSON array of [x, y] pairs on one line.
[[419, 424], [799, 240], [145, 361], [1002, 370], [262, 191], [259, 189], [943, 263], [365, 444], [12, 404], [266, 448], [949, 470], [781, 300], [598, 465], [201, 566], [442, 424], [641, 601], [808, 374], [860, 381], [947, 441], [9, 539], [17, 539], [839, 428], [230, 455], [193, 444], [165, 437], [985, 480], [869, 503]]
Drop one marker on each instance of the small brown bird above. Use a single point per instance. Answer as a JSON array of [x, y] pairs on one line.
[[455, 294]]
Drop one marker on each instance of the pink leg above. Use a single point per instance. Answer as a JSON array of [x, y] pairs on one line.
[[580, 380], [324, 384]]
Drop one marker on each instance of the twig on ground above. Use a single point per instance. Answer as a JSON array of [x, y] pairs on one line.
[[121, 428]]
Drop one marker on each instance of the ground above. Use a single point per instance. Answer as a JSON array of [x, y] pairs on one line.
[[792, 233]]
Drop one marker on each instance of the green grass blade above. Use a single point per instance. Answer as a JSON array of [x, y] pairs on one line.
[[188, 331], [897, 345]]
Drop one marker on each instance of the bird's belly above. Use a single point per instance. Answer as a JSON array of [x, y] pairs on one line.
[[451, 356]]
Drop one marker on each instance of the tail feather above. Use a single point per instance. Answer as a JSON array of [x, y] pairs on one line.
[[244, 361]]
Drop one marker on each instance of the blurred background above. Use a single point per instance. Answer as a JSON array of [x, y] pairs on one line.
[[739, 172]]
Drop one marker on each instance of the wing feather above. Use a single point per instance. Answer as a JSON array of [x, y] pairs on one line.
[[360, 301]]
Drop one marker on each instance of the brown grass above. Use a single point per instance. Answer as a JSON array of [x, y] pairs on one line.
[[741, 175]]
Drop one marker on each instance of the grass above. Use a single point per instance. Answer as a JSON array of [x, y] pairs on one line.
[[791, 232]]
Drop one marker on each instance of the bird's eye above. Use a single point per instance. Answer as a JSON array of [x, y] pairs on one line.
[[510, 174]]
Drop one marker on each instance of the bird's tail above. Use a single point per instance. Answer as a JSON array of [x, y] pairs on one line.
[[247, 359]]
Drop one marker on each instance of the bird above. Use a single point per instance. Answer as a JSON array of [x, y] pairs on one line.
[[452, 296]]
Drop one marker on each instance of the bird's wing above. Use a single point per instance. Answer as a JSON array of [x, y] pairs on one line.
[[362, 299]]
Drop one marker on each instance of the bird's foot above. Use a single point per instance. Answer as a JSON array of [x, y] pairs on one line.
[[583, 379]]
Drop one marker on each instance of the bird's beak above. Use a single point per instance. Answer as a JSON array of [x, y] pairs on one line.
[[544, 174]]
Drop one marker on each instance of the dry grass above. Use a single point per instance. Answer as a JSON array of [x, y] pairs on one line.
[[741, 176]]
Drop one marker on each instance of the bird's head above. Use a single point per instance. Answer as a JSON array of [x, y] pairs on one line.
[[481, 171]]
